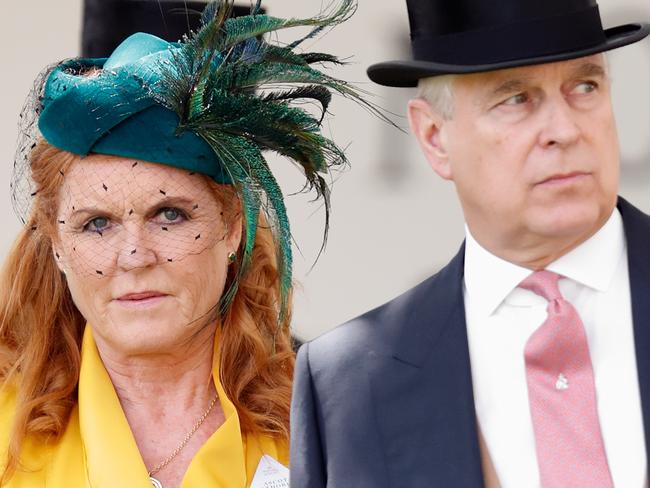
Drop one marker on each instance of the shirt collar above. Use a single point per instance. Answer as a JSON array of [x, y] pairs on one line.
[[490, 279]]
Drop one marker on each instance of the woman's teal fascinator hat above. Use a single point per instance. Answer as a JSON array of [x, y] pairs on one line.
[[119, 108], [211, 104]]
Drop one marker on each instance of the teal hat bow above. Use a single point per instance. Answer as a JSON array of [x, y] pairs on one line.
[[210, 104]]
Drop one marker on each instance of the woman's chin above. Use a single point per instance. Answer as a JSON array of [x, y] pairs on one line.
[[144, 337], [151, 324], [143, 328]]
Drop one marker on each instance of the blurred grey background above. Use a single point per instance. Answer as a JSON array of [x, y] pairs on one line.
[[394, 222]]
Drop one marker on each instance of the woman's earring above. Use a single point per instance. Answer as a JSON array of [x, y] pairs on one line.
[[231, 257]]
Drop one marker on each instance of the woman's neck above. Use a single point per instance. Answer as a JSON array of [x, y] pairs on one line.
[[163, 396], [158, 378]]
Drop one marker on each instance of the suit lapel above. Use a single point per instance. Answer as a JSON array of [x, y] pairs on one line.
[[637, 234], [424, 401], [425, 404]]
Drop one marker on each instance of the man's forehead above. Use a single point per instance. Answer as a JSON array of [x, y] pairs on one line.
[[539, 70], [594, 65]]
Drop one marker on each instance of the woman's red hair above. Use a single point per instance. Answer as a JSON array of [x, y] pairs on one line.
[[41, 329]]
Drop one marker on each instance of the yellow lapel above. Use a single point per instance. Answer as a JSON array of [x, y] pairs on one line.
[[112, 456], [220, 461]]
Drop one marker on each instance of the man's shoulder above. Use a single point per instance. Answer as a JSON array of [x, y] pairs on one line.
[[634, 219], [376, 330]]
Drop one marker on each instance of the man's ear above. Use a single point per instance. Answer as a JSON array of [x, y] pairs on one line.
[[430, 128]]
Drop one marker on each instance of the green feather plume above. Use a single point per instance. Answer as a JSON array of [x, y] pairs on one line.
[[238, 91]]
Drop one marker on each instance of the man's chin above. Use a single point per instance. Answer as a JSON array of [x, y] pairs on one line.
[[570, 219]]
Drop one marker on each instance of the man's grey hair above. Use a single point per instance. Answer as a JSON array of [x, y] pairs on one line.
[[439, 92]]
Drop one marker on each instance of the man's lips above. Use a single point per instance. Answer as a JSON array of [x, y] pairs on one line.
[[564, 178]]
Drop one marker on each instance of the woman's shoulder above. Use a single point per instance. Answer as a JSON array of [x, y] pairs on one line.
[[60, 462], [8, 393]]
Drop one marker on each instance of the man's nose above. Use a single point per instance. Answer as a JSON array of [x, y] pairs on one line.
[[561, 124]]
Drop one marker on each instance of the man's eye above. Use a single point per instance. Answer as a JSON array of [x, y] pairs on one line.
[[518, 99], [586, 87], [98, 224]]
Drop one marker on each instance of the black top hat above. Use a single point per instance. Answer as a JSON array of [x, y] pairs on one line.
[[469, 36], [108, 22]]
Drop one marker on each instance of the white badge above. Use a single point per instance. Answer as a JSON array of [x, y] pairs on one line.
[[270, 474]]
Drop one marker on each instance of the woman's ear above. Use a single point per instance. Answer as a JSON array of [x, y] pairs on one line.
[[429, 129], [234, 232], [58, 258]]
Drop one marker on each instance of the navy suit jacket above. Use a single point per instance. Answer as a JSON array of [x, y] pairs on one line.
[[386, 400]]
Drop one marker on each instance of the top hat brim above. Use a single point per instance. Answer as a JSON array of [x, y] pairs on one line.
[[408, 73]]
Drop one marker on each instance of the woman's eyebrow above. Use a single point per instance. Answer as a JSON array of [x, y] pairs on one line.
[[87, 210], [171, 201], [167, 201]]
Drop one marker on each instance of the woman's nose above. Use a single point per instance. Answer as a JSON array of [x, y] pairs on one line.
[[137, 250]]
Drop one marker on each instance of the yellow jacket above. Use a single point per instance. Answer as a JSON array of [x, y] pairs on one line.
[[97, 449]]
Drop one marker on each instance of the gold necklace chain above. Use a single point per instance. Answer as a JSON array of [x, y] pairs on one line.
[[186, 439]]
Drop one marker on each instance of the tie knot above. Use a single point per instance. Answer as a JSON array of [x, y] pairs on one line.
[[543, 283]]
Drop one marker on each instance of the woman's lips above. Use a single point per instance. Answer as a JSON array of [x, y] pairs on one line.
[[141, 299]]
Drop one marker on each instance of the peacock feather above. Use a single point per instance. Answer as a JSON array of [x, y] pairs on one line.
[[238, 92]]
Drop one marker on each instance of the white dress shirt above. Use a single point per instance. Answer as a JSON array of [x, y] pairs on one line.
[[501, 318]]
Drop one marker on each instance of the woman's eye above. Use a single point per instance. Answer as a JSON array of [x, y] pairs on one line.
[[172, 215], [98, 224]]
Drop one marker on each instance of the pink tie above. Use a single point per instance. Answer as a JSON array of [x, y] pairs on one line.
[[562, 395]]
